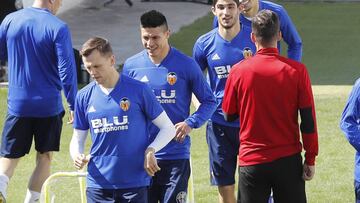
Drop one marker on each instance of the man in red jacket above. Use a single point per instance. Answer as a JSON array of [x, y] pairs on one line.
[[266, 92]]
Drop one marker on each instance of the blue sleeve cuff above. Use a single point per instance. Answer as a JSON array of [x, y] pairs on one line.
[[191, 123]]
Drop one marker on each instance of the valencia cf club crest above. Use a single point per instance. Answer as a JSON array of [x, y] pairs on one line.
[[171, 78], [247, 53], [125, 104], [181, 197]]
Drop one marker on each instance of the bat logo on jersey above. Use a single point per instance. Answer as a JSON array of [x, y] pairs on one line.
[[105, 125], [247, 53], [222, 71], [125, 104], [171, 78], [181, 197]]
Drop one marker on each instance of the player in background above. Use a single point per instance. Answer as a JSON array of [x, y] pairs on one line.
[[349, 124], [116, 109], [173, 76], [288, 30], [7, 6], [41, 63], [216, 52], [267, 92]]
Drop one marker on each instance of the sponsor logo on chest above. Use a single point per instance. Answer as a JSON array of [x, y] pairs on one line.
[[105, 125], [167, 96], [222, 71], [116, 123]]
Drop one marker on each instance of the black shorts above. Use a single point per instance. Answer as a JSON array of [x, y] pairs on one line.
[[357, 191], [171, 182], [223, 142], [282, 176], [135, 195], [19, 132]]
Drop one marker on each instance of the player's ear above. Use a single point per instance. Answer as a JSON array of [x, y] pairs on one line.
[[241, 8], [279, 36], [253, 37], [168, 32], [213, 10], [113, 60]]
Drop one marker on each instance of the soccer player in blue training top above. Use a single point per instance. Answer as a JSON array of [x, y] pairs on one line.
[[116, 109], [349, 124], [216, 52], [267, 92], [288, 30], [41, 63], [173, 76]]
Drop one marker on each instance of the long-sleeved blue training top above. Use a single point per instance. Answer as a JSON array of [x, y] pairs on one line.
[[350, 124], [119, 134], [173, 82], [217, 55], [41, 63], [287, 28]]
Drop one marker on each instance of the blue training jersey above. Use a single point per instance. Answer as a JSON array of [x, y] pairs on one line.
[[350, 124], [214, 53], [287, 28], [173, 82], [41, 62], [119, 135]]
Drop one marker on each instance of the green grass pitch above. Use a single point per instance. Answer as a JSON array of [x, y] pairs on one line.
[[330, 33]]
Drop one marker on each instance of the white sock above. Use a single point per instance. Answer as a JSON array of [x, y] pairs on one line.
[[4, 180], [32, 196]]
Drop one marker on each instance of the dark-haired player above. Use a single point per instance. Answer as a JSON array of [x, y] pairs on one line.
[[173, 76]]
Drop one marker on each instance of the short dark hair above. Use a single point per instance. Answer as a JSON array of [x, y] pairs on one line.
[[152, 19], [96, 43], [265, 25], [215, 1]]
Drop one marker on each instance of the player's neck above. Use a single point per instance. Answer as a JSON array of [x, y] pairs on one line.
[[160, 57], [230, 33], [260, 46], [113, 79], [41, 4]]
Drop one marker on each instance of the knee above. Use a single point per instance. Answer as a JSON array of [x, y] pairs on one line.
[[227, 190], [45, 157]]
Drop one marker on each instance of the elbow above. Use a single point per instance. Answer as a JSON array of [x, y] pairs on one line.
[[307, 127], [342, 125], [295, 46], [212, 104], [307, 121], [214, 107], [349, 124], [298, 44]]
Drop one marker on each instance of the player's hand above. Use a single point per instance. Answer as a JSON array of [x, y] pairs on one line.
[[150, 163], [71, 117], [182, 129], [80, 161], [308, 172]]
